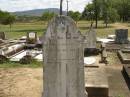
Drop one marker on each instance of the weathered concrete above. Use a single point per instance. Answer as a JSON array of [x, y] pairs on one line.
[[63, 59], [96, 82]]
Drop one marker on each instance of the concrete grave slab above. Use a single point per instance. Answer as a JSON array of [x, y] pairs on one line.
[[96, 82]]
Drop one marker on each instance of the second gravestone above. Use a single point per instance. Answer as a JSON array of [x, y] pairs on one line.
[[121, 36], [63, 60]]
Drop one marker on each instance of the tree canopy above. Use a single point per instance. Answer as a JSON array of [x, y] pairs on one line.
[[107, 10], [74, 15], [6, 18], [47, 16]]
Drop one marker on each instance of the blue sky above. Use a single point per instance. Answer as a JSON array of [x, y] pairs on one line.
[[21, 5]]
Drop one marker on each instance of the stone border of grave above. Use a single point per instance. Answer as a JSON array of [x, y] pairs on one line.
[[126, 73], [122, 57]]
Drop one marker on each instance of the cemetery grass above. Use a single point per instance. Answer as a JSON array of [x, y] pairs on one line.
[[19, 29], [33, 64]]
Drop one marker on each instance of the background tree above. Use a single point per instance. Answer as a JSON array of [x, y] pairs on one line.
[[75, 15], [97, 10], [88, 13], [47, 16], [7, 18]]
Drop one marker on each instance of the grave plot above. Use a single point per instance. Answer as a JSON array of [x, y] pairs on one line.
[[124, 56], [33, 53], [117, 41], [11, 50], [96, 82], [6, 52]]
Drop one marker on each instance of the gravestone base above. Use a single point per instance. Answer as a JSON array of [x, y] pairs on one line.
[[96, 82], [91, 51], [30, 46]]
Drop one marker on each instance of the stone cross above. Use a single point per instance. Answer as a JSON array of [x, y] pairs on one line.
[[63, 59]]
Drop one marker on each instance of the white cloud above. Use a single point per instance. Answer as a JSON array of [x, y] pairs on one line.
[[20, 5]]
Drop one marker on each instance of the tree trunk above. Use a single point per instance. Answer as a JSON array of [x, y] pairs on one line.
[[106, 21], [10, 27], [96, 14]]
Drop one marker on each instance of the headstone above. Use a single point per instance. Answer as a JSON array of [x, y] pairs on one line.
[[121, 36], [31, 37], [2, 35], [63, 60], [91, 39], [90, 43]]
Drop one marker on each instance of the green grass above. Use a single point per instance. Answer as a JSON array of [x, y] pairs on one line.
[[102, 31], [18, 65], [19, 29]]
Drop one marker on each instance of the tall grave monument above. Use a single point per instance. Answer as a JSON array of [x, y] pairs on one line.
[[63, 60]]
